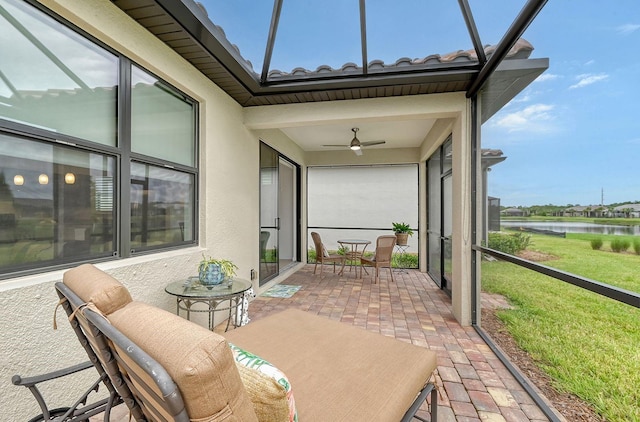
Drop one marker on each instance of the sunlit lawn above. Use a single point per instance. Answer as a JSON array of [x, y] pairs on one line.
[[589, 344]]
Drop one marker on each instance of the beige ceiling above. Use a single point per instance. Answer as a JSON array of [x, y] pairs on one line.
[[397, 134]]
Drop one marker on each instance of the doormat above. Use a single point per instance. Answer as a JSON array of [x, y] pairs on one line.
[[281, 291]]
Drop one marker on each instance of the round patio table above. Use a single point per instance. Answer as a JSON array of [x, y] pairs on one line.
[[353, 253], [223, 297]]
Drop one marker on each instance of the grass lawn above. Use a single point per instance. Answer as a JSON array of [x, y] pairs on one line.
[[587, 343]]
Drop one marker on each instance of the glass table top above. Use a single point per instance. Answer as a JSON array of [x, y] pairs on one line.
[[192, 287], [355, 241]]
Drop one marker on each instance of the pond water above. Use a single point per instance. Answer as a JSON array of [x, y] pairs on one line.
[[574, 227]]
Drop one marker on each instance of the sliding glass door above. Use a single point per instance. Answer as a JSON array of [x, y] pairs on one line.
[[434, 219], [279, 210], [440, 214]]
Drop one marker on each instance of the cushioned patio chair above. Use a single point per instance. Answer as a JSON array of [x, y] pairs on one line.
[[323, 256], [164, 367], [382, 256], [171, 369]]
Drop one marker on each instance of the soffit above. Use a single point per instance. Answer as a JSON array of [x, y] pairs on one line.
[[185, 27]]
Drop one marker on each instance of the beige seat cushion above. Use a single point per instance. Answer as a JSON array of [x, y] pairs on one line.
[[198, 360], [94, 285], [339, 372]]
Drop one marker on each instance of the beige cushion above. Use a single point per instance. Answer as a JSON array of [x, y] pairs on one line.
[[198, 360], [339, 372], [94, 285]]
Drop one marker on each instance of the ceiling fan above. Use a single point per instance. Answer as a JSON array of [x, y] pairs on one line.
[[355, 145]]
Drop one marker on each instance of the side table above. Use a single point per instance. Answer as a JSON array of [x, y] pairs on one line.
[[225, 297], [401, 250]]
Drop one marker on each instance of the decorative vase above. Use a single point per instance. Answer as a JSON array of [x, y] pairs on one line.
[[402, 238], [211, 275]]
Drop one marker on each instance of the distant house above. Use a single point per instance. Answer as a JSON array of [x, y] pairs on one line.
[[584, 211], [513, 212], [627, 210]]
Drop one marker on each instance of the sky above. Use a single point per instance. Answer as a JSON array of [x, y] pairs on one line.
[[572, 137]]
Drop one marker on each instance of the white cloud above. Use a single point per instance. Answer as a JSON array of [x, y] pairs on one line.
[[588, 79], [627, 28], [530, 118], [546, 77], [522, 98]]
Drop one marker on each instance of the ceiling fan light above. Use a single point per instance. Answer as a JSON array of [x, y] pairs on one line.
[[355, 147]]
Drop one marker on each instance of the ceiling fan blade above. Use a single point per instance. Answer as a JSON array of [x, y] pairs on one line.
[[337, 146], [358, 151], [370, 143]]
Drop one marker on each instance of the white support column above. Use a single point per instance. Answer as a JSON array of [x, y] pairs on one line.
[[461, 231]]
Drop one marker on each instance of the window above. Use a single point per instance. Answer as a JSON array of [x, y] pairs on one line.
[[161, 206], [49, 207], [162, 131], [54, 79], [162, 123], [69, 143]]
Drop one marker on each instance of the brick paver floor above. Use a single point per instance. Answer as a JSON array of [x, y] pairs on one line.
[[473, 384]]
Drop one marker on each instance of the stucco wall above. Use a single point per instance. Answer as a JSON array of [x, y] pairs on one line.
[[229, 227]]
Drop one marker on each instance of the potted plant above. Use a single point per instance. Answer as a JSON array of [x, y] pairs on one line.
[[402, 231], [213, 271]]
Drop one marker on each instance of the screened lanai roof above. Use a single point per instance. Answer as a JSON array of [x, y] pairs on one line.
[[283, 52]]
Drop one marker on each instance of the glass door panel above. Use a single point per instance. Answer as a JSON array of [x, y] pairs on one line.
[[279, 193], [268, 213], [446, 231], [434, 222], [286, 213], [440, 216]]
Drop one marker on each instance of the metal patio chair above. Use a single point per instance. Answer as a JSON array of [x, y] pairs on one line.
[[82, 409]]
